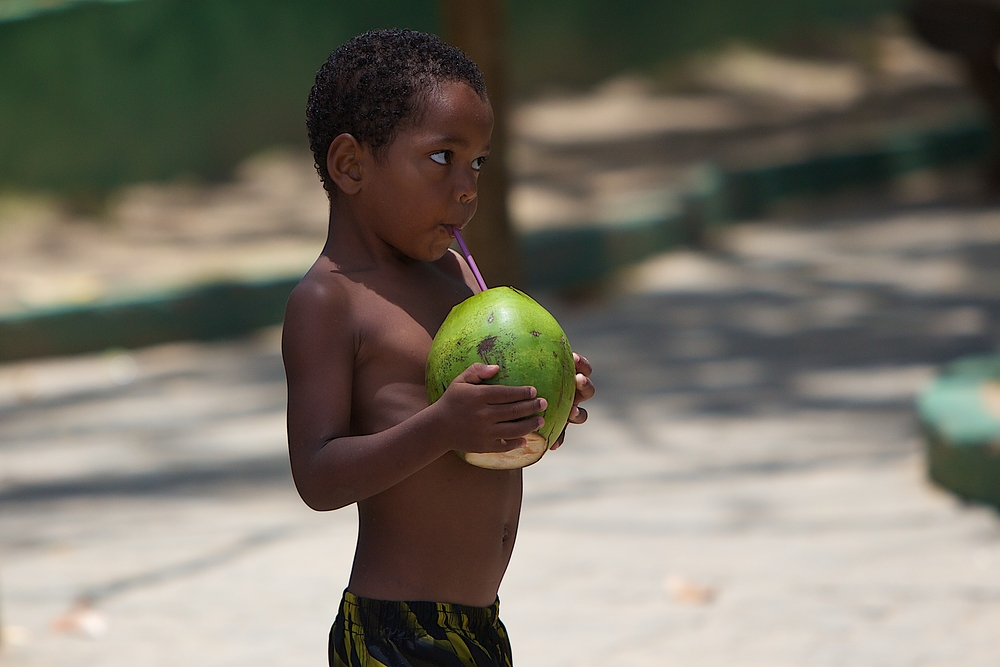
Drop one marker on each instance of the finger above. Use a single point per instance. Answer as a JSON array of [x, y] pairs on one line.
[[476, 373], [585, 388], [578, 415], [582, 365], [496, 394], [559, 441], [519, 428], [507, 412]]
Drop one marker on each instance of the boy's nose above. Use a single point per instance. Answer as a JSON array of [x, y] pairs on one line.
[[467, 190]]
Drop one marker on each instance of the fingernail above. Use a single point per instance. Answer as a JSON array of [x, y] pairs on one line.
[[542, 402], [534, 392]]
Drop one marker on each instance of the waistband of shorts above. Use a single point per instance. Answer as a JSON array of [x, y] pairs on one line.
[[367, 611]]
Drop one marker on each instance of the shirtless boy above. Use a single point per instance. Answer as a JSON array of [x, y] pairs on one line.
[[400, 126]]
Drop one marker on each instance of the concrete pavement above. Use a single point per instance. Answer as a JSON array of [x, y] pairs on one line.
[[749, 489]]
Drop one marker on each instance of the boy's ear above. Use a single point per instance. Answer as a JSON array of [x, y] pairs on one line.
[[343, 161]]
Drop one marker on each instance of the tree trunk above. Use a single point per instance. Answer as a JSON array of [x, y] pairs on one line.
[[478, 27], [971, 30]]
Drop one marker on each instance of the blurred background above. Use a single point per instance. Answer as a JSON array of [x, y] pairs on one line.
[[772, 227]]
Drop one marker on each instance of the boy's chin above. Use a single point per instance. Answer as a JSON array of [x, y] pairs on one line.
[[436, 253], [425, 254]]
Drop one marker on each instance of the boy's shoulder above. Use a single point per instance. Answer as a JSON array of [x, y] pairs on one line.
[[322, 290], [327, 291]]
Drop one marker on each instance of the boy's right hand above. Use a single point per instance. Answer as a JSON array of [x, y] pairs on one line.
[[485, 418]]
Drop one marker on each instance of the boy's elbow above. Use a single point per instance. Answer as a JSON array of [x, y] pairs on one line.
[[319, 502], [319, 496], [315, 479]]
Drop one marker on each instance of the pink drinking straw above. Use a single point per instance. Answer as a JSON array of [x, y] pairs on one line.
[[472, 262]]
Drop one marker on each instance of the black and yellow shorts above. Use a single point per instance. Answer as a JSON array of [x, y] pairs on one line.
[[381, 633]]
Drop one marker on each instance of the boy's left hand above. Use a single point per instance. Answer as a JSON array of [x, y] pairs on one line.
[[584, 391]]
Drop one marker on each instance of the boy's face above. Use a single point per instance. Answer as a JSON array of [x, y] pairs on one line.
[[423, 185]]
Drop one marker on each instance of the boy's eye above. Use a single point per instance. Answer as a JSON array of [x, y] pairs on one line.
[[478, 163], [441, 157]]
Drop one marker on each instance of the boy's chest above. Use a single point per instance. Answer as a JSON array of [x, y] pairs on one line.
[[391, 357], [398, 328]]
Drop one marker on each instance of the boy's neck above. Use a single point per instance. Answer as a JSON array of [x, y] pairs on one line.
[[354, 246]]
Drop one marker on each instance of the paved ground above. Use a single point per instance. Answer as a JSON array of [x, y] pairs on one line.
[[749, 490]]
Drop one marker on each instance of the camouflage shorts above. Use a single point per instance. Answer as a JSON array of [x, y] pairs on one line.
[[381, 633]]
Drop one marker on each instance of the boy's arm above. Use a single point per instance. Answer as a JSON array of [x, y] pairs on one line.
[[332, 468]]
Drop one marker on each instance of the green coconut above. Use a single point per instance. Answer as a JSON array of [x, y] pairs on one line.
[[506, 327]]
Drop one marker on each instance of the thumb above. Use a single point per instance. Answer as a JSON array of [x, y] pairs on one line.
[[477, 372]]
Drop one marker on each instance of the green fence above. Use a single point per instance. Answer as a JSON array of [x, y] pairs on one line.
[[579, 42], [101, 94], [95, 94]]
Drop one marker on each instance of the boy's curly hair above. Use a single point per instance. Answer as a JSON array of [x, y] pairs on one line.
[[373, 84]]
